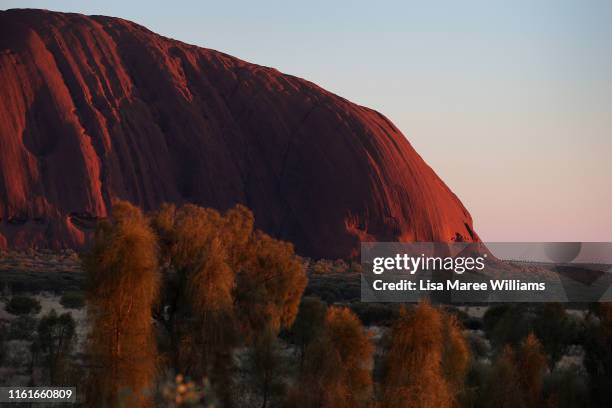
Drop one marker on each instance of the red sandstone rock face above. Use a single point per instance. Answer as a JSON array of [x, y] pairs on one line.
[[93, 108]]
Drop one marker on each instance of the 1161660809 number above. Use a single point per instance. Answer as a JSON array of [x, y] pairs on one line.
[[37, 394]]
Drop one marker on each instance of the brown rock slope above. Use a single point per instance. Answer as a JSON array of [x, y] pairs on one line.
[[95, 107]]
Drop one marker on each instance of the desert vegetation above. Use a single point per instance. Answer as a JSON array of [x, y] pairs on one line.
[[187, 306]]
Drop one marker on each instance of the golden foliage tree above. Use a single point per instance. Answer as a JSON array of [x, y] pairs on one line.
[[308, 324], [337, 367], [201, 319], [426, 359], [413, 371], [531, 367], [238, 233], [269, 286], [516, 378], [503, 388], [124, 283], [200, 256], [232, 282], [455, 355]]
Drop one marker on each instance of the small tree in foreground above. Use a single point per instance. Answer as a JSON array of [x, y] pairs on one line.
[[308, 324], [532, 364], [426, 360], [503, 388], [265, 368], [337, 367], [517, 377], [234, 286], [124, 283], [413, 371], [54, 342]]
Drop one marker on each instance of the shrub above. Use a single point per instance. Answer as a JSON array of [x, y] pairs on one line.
[[322, 267], [72, 300], [54, 341], [426, 359], [17, 354], [336, 369], [21, 328], [479, 346], [568, 387], [377, 314], [510, 324], [507, 324], [23, 305], [308, 324]]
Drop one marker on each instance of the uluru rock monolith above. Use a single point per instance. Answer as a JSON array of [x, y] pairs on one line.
[[93, 108]]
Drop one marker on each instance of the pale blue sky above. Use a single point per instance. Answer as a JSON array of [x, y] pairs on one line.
[[510, 102]]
